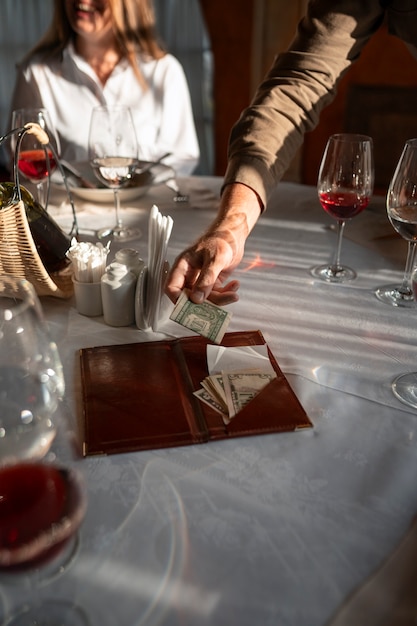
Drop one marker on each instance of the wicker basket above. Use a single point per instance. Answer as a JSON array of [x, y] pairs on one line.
[[19, 256]]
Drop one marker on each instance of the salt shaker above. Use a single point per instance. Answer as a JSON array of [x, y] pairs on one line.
[[131, 258], [118, 285]]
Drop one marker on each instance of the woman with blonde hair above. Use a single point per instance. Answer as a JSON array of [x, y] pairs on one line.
[[100, 52]]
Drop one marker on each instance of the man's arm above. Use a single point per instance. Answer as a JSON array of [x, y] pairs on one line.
[[266, 137], [206, 265]]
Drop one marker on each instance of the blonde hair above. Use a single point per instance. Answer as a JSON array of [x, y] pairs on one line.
[[134, 27]]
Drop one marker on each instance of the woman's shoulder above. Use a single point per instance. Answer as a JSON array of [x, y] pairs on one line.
[[41, 60], [168, 61], [167, 67]]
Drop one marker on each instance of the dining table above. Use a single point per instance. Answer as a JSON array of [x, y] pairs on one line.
[[306, 528]]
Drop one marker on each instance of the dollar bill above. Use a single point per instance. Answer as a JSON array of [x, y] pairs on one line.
[[214, 386], [208, 399], [228, 392], [206, 319], [241, 388]]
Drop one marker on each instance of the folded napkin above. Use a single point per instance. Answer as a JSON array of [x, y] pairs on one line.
[[389, 596], [151, 282]]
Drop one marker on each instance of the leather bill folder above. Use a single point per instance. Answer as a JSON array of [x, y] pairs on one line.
[[140, 396]]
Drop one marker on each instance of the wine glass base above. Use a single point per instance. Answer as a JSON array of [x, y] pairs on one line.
[[405, 389], [391, 294], [45, 571], [120, 234], [330, 274], [49, 613]]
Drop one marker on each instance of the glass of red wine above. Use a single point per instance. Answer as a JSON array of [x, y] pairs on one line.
[[36, 162], [402, 213], [42, 504], [113, 155], [345, 185]]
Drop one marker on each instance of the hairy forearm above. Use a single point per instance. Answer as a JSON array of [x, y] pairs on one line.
[[239, 210]]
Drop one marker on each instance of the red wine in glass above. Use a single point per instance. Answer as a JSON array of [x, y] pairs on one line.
[[34, 165], [32, 159], [344, 187], [343, 205], [41, 508]]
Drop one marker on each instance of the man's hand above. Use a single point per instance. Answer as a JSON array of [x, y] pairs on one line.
[[204, 267]]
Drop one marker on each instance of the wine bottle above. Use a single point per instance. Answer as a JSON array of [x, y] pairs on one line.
[[51, 242]]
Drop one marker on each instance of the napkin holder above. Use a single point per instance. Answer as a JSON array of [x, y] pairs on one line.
[[152, 305], [18, 253], [140, 396], [151, 301]]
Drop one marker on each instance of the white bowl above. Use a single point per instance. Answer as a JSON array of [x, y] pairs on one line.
[[141, 183]]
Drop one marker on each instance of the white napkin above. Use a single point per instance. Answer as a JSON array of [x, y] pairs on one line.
[[160, 228], [240, 358]]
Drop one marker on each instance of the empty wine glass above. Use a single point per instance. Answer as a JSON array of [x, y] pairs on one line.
[[345, 185], [36, 162], [402, 213], [113, 154], [41, 503]]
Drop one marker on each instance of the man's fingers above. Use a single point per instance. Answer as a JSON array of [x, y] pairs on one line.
[[221, 295], [177, 279]]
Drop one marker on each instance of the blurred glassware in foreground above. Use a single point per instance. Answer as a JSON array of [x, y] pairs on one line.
[[51, 613], [31, 378], [41, 503]]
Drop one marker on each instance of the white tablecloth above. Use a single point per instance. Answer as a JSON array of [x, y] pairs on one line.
[[276, 529]]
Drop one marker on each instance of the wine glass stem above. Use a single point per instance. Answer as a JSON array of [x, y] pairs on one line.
[[117, 208], [336, 261], [41, 193], [405, 288]]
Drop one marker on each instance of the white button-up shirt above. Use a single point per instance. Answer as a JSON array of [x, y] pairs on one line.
[[69, 89]]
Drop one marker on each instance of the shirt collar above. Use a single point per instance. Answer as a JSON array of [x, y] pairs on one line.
[[71, 54]]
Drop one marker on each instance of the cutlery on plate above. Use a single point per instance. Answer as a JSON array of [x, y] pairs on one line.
[[77, 174], [151, 164]]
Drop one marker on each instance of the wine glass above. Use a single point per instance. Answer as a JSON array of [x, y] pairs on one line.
[[345, 185], [402, 213], [113, 154], [41, 503], [404, 386], [36, 162]]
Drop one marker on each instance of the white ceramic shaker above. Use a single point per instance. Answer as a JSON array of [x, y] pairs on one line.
[[118, 286], [131, 258]]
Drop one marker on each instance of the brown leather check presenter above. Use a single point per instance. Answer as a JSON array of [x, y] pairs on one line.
[[140, 396]]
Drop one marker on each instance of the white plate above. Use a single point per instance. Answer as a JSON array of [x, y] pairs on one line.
[[159, 174]]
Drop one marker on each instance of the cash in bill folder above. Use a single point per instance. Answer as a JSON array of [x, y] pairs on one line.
[[140, 396]]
